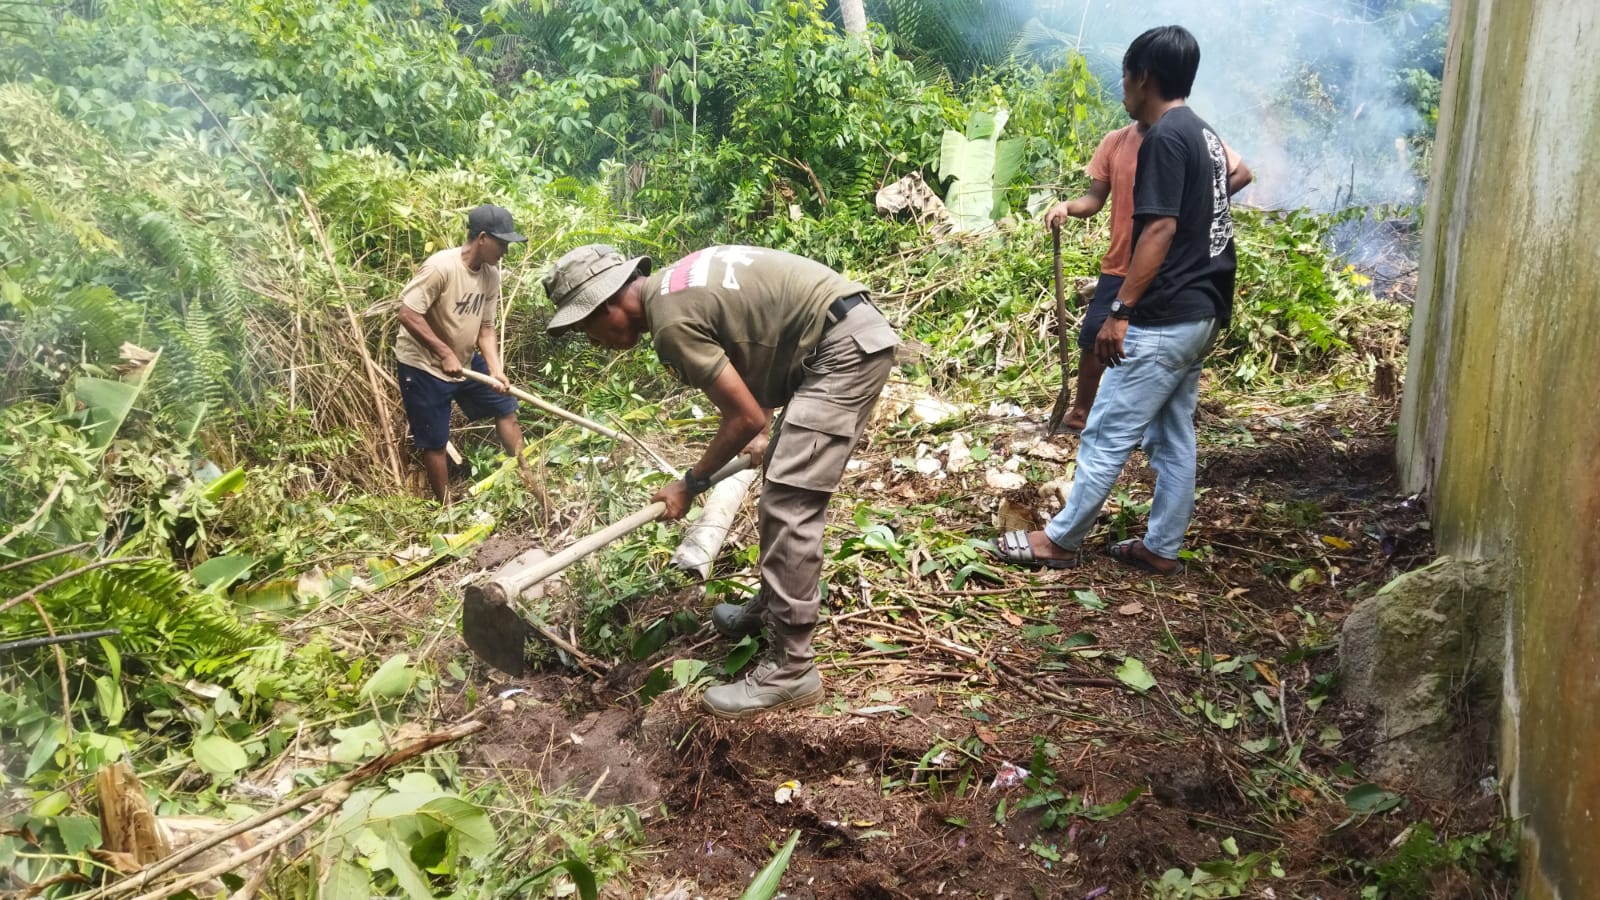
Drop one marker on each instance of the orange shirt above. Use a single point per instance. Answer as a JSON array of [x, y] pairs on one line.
[[1115, 161]]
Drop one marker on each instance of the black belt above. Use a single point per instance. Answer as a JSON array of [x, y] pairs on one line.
[[841, 307]]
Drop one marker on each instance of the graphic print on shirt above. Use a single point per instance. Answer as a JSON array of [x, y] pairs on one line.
[[1221, 218], [471, 304], [694, 270]]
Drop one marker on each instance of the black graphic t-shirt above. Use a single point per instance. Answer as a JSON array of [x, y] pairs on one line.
[[1183, 173]]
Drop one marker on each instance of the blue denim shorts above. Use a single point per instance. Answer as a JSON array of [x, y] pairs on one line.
[[427, 401]]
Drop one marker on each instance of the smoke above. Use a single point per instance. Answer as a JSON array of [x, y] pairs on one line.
[[1313, 96]]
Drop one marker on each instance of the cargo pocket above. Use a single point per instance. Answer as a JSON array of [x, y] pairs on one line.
[[876, 338], [813, 443]]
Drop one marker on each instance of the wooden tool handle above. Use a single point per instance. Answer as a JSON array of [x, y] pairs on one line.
[[1062, 335], [589, 544], [548, 407]]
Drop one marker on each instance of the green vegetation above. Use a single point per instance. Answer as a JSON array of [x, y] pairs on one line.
[[207, 208]]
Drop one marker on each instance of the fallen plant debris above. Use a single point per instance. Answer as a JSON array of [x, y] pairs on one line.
[[329, 797], [223, 595], [1190, 727]]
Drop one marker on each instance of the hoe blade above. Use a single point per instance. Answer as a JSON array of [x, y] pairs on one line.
[[494, 632]]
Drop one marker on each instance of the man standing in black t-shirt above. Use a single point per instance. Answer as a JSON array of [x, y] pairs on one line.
[[1178, 295]]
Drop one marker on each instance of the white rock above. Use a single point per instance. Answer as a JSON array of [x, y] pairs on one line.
[[1004, 481], [932, 410], [1055, 493], [959, 458], [1047, 451]]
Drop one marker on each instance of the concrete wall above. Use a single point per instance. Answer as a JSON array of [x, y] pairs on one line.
[[1501, 419]]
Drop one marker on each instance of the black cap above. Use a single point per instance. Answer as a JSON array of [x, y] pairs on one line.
[[495, 220]]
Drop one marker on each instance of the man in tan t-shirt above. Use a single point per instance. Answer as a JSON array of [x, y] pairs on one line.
[[1111, 173], [755, 329], [447, 316]]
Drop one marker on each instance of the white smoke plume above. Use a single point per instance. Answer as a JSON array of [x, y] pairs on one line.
[[1311, 94]]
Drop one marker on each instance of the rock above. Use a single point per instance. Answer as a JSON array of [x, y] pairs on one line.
[[1041, 449], [1055, 493], [1426, 653], [932, 410], [1000, 480], [959, 457]]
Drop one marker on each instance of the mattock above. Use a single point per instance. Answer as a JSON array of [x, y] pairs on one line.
[[493, 621]]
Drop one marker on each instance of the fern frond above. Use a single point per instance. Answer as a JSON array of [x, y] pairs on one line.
[[154, 604]]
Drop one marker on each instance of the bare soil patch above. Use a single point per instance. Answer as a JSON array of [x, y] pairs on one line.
[[934, 689]]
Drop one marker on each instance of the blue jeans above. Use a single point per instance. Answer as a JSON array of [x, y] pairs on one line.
[[1151, 395]]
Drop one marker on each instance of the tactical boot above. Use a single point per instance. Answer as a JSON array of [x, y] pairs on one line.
[[738, 620], [786, 679]]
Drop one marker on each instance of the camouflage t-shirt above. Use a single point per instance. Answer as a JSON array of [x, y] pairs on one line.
[[456, 301], [761, 311]]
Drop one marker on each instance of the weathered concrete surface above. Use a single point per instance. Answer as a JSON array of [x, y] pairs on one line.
[[1427, 653], [1501, 419]]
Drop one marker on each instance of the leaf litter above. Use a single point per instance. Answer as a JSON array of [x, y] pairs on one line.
[[1202, 700]]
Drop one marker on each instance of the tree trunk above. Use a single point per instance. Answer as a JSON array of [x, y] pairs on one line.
[[854, 13]]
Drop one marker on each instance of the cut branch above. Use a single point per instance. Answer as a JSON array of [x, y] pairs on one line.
[[340, 789]]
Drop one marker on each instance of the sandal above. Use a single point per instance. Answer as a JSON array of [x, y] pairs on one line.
[[1015, 548], [1122, 552]]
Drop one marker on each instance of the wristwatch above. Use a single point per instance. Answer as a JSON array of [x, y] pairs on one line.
[[1120, 310], [695, 483]]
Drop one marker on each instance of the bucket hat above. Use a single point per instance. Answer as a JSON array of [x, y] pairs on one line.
[[584, 278]]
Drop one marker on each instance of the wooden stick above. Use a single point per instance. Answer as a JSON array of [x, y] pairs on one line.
[[37, 589], [661, 462], [367, 771], [586, 662], [337, 793], [61, 666], [1063, 338], [47, 640], [251, 888], [48, 554], [560, 561], [44, 507], [580, 421], [546, 406], [380, 401]]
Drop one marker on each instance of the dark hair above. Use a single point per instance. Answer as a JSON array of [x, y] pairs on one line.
[[1170, 54]]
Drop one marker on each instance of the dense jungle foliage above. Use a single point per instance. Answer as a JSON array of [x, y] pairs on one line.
[[207, 208]]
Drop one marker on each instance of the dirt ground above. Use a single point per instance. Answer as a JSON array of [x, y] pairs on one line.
[[933, 689]]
